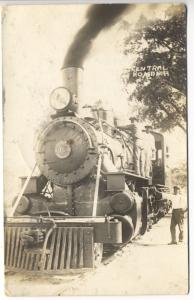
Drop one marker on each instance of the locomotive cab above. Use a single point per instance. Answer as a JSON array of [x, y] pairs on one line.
[[160, 164]]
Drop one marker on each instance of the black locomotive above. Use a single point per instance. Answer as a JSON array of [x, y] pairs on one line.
[[90, 191]]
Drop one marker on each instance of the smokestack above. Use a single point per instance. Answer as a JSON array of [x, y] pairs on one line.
[[73, 81]]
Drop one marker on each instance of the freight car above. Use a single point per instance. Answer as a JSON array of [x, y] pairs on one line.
[[89, 192]]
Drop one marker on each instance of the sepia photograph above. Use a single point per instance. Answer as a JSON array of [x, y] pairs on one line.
[[95, 139]]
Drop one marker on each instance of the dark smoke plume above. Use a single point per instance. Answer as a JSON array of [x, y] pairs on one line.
[[99, 17]]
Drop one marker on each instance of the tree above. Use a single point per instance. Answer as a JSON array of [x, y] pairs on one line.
[[159, 72], [179, 175]]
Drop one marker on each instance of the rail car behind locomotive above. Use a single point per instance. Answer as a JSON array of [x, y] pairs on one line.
[[88, 193]]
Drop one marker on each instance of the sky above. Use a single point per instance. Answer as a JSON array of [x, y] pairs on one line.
[[35, 41]]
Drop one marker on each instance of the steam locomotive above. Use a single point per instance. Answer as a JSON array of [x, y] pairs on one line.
[[88, 193]]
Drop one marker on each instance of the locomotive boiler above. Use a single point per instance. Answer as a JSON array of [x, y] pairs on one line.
[[88, 193]]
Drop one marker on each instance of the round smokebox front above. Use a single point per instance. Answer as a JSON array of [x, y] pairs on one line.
[[65, 150]]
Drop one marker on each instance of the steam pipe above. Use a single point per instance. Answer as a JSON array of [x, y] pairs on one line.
[[97, 186]]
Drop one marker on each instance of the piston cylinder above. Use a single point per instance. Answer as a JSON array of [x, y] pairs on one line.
[[122, 202]]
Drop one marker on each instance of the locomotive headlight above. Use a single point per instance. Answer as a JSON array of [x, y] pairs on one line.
[[60, 98]]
